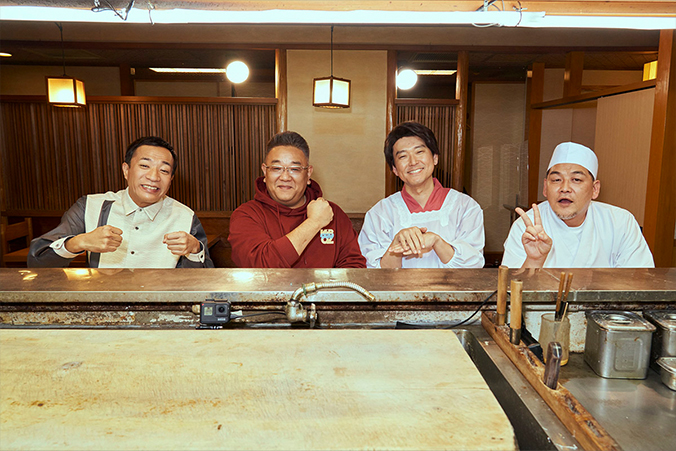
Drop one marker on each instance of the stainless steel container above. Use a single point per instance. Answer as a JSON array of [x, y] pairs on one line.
[[617, 344], [668, 371], [664, 338]]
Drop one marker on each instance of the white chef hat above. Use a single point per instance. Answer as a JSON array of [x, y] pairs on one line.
[[576, 154]]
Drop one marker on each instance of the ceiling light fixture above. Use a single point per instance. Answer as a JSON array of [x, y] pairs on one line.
[[237, 72], [406, 79], [331, 92], [187, 70], [372, 17], [65, 91], [5, 54], [434, 72], [650, 71]]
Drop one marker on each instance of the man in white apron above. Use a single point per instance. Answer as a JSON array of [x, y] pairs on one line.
[[424, 225], [570, 229]]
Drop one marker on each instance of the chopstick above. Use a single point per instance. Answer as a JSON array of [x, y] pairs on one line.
[[562, 307], [562, 283]]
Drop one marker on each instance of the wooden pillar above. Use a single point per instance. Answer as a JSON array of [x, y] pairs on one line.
[[536, 86], [126, 80], [280, 89], [457, 175], [660, 205], [391, 115], [572, 76]]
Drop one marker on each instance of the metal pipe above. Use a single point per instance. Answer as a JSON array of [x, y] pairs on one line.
[[314, 286]]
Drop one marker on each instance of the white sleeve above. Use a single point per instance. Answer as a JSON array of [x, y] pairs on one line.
[[515, 254], [633, 250], [470, 239], [374, 238]]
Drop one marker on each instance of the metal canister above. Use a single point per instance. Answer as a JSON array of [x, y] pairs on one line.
[[664, 338], [668, 373], [617, 344]]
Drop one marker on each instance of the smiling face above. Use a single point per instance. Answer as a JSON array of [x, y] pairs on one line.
[[286, 188], [569, 189], [149, 174], [413, 161]]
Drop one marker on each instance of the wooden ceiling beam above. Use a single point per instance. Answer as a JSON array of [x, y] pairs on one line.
[[505, 49]]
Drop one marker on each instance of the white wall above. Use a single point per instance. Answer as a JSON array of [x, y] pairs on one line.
[[346, 145], [577, 123], [623, 130], [499, 156]]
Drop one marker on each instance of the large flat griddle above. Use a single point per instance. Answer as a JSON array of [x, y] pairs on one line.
[[244, 389]]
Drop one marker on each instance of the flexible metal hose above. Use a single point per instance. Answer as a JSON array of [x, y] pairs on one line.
[[313, 286]]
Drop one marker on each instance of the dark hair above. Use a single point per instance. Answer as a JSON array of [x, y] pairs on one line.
[[150, 141], [405, 129], [292, 139]]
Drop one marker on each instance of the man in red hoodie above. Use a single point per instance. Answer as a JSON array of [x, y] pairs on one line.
[[289, 224]]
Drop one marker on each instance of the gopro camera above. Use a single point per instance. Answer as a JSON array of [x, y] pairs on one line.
[[214, 312]]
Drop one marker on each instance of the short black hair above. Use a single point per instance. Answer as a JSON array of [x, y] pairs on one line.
[[150, 141], [289, 138], [405, 129]]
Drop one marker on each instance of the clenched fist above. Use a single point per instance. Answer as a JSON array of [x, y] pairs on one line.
[[102, 239], [182, 243], [320, 212]]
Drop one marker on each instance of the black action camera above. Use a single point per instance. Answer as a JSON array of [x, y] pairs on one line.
[[214, 312]]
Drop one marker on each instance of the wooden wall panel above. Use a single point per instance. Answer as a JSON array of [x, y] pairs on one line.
[[441, 120], [623, 126], [51, 156]]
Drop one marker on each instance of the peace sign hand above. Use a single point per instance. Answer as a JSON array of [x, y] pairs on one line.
[[535, 240]]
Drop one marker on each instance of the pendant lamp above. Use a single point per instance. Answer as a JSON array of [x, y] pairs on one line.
[[331, 92], [65, 91]]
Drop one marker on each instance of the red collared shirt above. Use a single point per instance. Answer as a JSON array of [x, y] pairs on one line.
[[434, 203]]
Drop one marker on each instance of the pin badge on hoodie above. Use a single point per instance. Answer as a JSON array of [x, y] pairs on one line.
[[326, 236]]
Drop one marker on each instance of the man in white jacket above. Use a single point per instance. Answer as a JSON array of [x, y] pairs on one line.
[[570, 229], [424, 225]]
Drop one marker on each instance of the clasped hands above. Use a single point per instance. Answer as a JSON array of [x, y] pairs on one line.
[[413, 240], [108, 238]]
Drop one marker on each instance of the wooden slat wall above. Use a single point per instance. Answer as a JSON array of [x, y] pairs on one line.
[[51, 156], [440, 119]]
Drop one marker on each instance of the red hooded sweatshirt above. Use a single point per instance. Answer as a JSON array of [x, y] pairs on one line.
[[258, 231]]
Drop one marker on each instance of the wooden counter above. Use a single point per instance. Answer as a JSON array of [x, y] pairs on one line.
[[244, 389]]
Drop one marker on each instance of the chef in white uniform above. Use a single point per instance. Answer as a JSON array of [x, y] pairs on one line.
[[424, 225], [570, 229]]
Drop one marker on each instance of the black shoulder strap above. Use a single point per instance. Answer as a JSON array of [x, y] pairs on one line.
[[103, 220]]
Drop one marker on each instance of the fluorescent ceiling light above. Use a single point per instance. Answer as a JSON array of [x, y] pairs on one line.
[[502, 18], [186, 70], [5, 54], [628, 22], [137, 15], [434, 72]]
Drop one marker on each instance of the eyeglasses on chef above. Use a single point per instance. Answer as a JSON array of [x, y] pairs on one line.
[[294, 171]]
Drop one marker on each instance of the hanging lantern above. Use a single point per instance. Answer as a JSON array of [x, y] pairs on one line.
[[331, 92], [65, 91]]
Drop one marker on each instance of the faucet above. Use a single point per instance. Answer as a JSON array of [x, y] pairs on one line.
[[295, 312]]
